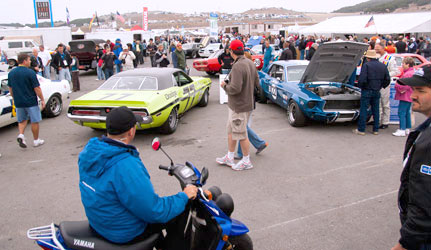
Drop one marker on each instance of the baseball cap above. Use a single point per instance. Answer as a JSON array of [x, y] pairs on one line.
[[120, 120], [236, 45], [422, 77]]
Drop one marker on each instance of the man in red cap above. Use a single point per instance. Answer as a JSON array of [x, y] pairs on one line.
[[414, 199], [239, 87]]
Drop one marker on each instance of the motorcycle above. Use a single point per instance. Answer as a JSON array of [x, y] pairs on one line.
[[209, 226]]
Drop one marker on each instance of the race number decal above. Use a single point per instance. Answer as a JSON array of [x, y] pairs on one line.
[[273, 91]]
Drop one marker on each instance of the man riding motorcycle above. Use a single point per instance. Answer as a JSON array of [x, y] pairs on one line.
[[117, 193]]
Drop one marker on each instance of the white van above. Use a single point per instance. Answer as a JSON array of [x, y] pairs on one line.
[[13, 47]]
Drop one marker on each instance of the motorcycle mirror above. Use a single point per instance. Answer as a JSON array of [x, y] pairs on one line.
[[204, 176], [156, 144]]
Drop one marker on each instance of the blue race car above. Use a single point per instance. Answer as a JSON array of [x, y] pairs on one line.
[[316, 90]]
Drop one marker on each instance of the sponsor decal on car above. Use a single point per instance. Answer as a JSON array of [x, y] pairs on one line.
[[170, 95]]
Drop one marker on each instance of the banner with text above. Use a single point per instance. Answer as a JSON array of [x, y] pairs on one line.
[[213, 25], [145, 19]]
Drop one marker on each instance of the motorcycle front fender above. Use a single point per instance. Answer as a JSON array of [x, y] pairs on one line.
[[238, 228]]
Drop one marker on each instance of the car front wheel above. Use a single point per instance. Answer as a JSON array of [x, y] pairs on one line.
[[295, 116]]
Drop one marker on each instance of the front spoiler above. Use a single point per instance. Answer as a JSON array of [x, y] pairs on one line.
[[332, 116]]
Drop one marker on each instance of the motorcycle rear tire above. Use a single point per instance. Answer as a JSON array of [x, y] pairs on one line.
[[241, 242]]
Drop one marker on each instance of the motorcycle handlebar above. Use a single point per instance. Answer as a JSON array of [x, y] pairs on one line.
[[164, 168]]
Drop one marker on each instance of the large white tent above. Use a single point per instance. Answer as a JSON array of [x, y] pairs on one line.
[[383, 24]]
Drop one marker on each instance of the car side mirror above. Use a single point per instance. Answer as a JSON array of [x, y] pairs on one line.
[[156, 144]]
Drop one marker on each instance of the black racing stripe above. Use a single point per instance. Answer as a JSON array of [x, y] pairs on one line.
[[166, 106]]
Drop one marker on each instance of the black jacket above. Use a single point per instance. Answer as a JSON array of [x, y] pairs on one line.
[[286, 54], [58, 61], [310, 53], [374, 76], [108, 60], [226, 59], [414, 196], [36, 63], [163, 62], [293, 49]]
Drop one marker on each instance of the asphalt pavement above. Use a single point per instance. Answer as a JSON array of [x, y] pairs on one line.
[[315, 187]]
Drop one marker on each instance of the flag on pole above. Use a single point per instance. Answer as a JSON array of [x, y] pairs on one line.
[[91, 22], [97, 20], [370, 22], [119, 17], [67, 16]]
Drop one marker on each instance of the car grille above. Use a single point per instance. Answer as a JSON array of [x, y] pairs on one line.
[[341, 104]]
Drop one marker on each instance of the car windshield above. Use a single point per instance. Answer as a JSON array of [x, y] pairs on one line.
[[216, 54], [213, 46], [294, 73], [130, 83]]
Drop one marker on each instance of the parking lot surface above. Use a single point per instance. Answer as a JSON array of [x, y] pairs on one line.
[[315, 187]]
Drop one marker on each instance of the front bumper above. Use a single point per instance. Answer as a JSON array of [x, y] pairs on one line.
[[100, 121], [331, 116]]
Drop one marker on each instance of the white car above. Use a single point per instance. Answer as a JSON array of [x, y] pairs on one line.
[[54, 93], [208, 50], [275, 49]]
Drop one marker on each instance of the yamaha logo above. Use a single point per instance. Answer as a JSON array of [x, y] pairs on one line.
[[83, 243]]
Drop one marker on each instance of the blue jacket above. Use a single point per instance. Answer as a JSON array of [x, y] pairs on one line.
[[117, 50], [117, 193], [374, 76], [267, 57]]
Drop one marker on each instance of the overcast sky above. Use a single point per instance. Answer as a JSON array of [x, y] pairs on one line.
[[22, 11]]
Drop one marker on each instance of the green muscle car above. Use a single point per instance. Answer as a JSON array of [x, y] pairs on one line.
[[159, 94]]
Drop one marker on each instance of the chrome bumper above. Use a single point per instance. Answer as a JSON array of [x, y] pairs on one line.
[[81, 119]]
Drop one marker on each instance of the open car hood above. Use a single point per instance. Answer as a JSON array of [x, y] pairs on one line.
[[334, 62]]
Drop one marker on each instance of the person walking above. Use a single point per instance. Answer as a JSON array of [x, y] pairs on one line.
[[25, 89], [108, 62], [126, 58], [98, 58], [240, 87], [267, 56], [74, 68], [414, 199], [161, 58], [180, 58], [402, 94], [61, 63], [152, 48], [46, 61], [391, 65], [374, 76]]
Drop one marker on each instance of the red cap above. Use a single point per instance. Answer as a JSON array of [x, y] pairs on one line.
[[236, 45]]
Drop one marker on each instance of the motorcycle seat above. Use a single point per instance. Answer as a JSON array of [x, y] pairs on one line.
[[78, 235]]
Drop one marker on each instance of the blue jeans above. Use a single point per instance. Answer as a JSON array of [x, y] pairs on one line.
[[119, 68], [302, 56], [404, 114], [225, 71], [29, 113], [64, 74], [100, 74], [108, 73], [254, 139], [369, 97], [47, 72]]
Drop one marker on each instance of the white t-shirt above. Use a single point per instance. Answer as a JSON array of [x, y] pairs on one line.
[[45, 56]]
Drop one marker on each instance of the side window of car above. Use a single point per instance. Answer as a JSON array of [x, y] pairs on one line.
[[417, 61], [183, 79], [15, 45], [3, 87], [277, 72], [28, 44], [174, 81]]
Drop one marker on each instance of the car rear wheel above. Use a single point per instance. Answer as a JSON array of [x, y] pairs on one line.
[[171, 123], [54, 106], [211, 73], [205, 98], [295, 116]]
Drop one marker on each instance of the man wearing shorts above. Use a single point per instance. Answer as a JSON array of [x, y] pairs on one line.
[[239, 88], [24, 88]]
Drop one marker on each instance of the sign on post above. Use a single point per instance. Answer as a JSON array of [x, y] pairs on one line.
[[145, 19], [42, 11]]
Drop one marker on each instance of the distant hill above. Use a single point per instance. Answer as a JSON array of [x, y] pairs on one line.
[[382, 6]]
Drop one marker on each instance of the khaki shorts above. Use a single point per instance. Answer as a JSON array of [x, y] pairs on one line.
[[237, 125]]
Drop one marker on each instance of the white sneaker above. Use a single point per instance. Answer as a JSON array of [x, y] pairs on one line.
[[242, 165], [225, 161], [407, 131], [21, 141], [38, 142], [399, 132]]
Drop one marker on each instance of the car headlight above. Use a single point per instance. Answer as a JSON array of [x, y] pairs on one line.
[[311, 104]]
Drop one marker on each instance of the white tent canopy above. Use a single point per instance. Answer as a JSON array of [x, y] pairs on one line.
[[383, 24]]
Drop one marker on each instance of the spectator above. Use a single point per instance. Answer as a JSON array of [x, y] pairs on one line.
[[151, 48], [401, 45], [61, 63], [110, 44], [118, 48], [225, 60], [392, 67], [98, 57], [312, 50], [180, 58], [75, 74], [287, 53], [3, 57], [126, 58], [267, 56], [403, 93], [108, 62], [144, 50], [413, 46], [36, 62], [242, 80], [374, 76], [138, 49], [292, 49], [301, 47], [46, 61], [25, 89], [160, 57], [390, 48], [426, 50]]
